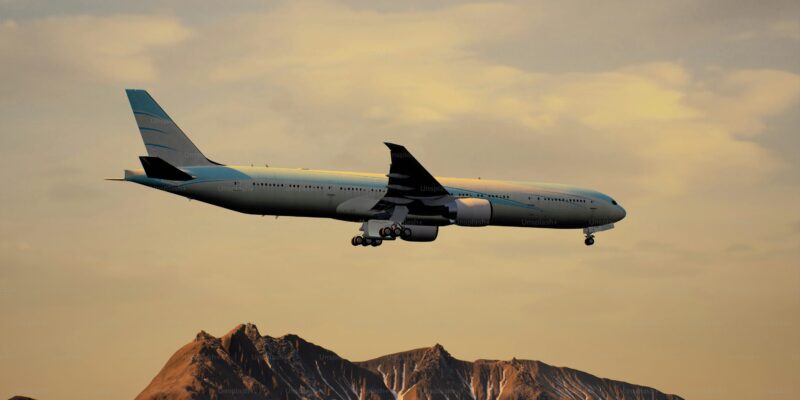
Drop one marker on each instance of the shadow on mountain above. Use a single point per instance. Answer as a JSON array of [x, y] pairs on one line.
[[244, 365]]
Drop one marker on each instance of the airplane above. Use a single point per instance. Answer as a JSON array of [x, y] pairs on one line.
[[407, 202]]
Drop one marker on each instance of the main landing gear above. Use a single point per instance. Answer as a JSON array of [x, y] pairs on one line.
[[395, 231], [365, 241], [391, 232]]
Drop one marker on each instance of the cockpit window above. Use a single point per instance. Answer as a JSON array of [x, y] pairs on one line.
[[614, 202]]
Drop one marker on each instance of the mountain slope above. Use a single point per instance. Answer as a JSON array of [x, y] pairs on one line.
[[433, 374], [242, 364]]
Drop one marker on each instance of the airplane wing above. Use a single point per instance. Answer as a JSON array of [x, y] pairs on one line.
[[411, 188]]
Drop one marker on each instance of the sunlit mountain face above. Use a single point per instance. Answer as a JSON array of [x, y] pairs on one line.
[[242, 364]]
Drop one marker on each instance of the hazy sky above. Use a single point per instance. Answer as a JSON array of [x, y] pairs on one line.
[[686, 111]]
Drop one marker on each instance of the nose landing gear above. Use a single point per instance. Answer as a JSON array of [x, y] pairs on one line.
[[590, 231]]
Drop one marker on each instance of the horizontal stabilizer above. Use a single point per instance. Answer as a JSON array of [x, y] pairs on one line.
[[157, 168]]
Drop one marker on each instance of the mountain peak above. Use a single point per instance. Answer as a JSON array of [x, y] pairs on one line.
[[436, 355], [244, 363], [248, 330], [203, 336]]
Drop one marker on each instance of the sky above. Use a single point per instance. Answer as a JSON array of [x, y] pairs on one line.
[[686, 112]]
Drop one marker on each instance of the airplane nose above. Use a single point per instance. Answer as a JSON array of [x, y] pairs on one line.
[[621, 213]]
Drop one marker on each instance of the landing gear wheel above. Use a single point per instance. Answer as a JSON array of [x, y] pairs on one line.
[[377, 242], [367, 241], [589, 241], [397, 231], [406, 232], [358, 240], [353, 240]]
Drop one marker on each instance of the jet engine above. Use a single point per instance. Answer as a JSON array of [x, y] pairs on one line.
[[470, 212], [420, 233]]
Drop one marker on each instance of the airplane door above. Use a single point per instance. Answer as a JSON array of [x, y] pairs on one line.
[[239, 186], [330, 195]]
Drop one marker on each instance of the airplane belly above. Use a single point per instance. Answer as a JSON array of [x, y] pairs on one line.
[[224, 194], [358, 207], [569, 216], [540, 216], [507, 215]]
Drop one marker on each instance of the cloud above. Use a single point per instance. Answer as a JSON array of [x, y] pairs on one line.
[[395, 61], [789, 29], [421, 69], [776, 29], [425, 75], [108, 48], [740, 100]]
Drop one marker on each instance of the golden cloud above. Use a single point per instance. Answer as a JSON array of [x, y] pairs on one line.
[[114, 48], [414, 68], [408, 70]]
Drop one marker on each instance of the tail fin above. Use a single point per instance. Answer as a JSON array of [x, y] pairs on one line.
[[162, 137]]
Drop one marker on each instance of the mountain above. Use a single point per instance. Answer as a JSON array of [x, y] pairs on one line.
[[432, 373], [244, 365]]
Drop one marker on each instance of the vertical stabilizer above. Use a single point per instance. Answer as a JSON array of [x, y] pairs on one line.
[[161, 136]]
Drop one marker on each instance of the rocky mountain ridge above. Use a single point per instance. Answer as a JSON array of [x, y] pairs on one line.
[[243, 364]]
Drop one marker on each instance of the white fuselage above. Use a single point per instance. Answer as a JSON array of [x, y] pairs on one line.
[[351, 196]]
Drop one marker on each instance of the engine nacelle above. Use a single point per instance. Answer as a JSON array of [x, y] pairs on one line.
[[470, 212], [421, 233]]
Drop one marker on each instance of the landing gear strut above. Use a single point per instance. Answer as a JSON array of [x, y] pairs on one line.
[[590, 231]]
